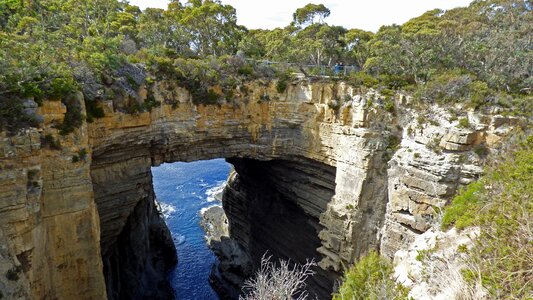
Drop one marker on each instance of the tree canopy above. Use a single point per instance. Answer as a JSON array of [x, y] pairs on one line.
[[52, 45], [311, 13]]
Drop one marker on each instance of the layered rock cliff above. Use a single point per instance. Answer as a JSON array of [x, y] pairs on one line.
[[433, 161], [70, 227], [49, 224], [273, 209]]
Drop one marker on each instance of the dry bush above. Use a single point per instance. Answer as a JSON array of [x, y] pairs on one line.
[[283, 281]]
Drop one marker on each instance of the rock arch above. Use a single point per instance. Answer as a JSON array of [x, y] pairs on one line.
[[296, 131], [69, 214]]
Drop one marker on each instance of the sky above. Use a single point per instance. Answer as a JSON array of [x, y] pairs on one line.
[[362, 14]]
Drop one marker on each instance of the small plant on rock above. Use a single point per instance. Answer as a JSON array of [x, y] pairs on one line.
[[464, 123], [51, 142], [82, 155], [389, 106]]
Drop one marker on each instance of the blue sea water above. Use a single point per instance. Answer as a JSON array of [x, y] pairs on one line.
[[183, 189]]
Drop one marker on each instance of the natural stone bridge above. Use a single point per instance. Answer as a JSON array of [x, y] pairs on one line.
[[296, 131], [313, 182]]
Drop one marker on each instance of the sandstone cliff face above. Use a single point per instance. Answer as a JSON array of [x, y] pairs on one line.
[[59, 219], [433, 161], [49, 227]]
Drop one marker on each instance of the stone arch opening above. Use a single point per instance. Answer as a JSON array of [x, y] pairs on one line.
[[298, 129], [271, 205]]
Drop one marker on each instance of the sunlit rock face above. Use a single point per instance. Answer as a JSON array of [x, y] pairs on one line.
[[325, 149], [433, 161], [296, 131]]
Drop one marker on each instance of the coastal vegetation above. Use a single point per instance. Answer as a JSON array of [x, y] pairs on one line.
[[370, 278], [49, 50], [500, 204]]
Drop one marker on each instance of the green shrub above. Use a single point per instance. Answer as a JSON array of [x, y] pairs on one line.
[[281, 86], [394, 142], [387, 93], [454, 86], [464, 123], [500, 204], [362, 79], [393, 81], [433, 122], [434, 145], [200, 76], [283, 81], [462, 248], [370, 278], [211, 97], [94, 110], [134, 107], [421, 120], [61, 87], [80, 156], [421, 255], [73, 117], [13, 117], [51, 142], [150, 103], [132, 82], [246, 70], [389, 106], [481, 150]]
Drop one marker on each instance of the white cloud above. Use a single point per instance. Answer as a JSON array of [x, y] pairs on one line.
[[364, 14]]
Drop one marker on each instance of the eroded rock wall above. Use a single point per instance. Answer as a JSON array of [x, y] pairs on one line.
[[434, 160], [300, 123], [49, 226], [273, 209], [136, 265], [137, 248]]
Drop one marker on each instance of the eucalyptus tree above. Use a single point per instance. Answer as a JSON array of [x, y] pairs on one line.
[[318, 44], [356, 46], [310, 14], [212, 26]]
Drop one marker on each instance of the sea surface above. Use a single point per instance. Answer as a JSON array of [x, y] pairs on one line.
[[182, 190]]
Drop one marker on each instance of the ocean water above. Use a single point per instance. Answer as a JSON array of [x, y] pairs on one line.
[[182, 190]]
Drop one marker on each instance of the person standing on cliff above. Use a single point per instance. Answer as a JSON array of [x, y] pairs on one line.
[[337, 68]]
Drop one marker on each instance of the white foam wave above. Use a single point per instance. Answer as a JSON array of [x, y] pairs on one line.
[[166, 209], [178, 238], [204, 209], [213, 194]]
